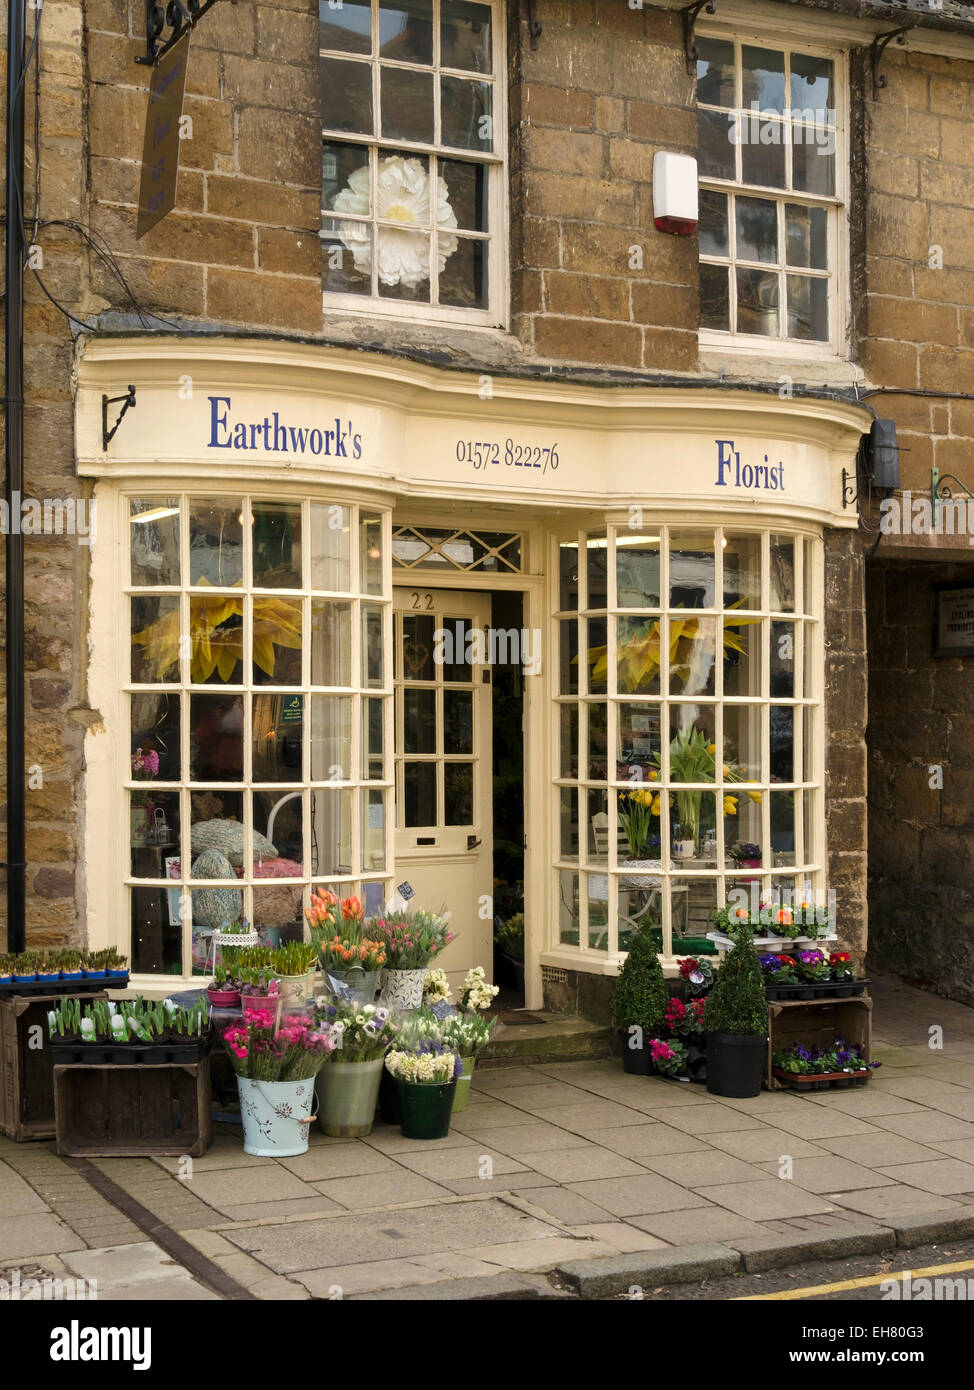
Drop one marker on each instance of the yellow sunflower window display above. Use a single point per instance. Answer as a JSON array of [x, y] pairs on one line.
[[216, 635]]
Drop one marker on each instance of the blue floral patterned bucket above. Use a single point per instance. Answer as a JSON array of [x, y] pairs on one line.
[[276, 1116]]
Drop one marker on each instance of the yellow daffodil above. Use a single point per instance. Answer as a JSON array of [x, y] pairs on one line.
[[655, 806], [711, 748], [653, 775], [730, 805]]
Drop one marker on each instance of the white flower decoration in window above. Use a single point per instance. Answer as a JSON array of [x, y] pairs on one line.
[[402, 196]]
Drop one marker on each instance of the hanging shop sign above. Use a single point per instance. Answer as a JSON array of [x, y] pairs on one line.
[[160, 148]]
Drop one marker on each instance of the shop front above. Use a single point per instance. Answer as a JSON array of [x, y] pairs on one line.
[[364, 623]]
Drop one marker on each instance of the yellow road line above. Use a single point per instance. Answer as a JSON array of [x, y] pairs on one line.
[[930, 1272]]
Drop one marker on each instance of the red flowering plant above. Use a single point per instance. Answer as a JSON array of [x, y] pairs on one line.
[[840, 964], [669, 1058], [685, 1020], [699, 974], [295, 1051]]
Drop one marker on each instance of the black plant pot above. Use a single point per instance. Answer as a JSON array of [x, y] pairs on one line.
[[697, 1061], [637, 1061], [389, 1099], [735, 1065]]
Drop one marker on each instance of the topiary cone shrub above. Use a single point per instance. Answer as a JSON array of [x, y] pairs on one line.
[[737, 1002], [640, 995]]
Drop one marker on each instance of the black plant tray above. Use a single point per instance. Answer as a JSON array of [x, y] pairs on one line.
[[830, 990], [65, 1054], [91, 985]]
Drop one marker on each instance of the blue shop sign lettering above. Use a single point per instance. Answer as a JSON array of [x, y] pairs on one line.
[[274, 435], [730, 470]]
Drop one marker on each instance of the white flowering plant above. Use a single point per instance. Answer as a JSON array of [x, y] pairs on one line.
[[364, 1031], [430, 1064], [436, 988], [467, 1033], [476, 994]]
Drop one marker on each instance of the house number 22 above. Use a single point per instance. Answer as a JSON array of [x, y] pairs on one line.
[[423, 601]]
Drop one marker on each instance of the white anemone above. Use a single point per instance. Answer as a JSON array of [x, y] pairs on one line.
[[402, 196]]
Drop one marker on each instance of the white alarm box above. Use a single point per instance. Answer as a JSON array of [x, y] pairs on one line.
[[675, 206]]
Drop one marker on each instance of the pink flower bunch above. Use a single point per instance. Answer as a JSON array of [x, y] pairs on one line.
[[295, 1052], [145, 765], [660, 1051]]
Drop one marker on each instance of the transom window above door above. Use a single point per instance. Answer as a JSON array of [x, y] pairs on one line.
[[771, 154], [412, 157]]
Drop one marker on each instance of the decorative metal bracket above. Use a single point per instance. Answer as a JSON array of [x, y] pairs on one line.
[[850, 489], [178, 15], [107, 435], [534, 23], [941, 491], [876, 50], [689, 20]]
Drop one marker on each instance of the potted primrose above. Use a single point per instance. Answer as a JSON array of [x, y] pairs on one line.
[[639, 1002], [736, 1023]]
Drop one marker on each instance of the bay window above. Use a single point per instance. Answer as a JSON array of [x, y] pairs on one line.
[[687, 729], [258, 701]]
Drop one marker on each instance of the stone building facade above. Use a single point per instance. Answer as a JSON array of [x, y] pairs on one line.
[[593, 299]]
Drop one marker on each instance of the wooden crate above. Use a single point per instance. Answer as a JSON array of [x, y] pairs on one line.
[[817, 1022], [132, 1111], [26, 1080]]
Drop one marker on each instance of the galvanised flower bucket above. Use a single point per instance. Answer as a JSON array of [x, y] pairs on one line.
[[403, 989], [275, 1116], [426, 1107], [361, 984], [347, 1093], [462, 1094], [297, 990]]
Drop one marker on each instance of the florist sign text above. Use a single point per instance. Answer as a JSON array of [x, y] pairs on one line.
[[275, 436]]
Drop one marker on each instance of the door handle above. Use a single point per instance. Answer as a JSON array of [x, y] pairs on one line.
[[473, 842]]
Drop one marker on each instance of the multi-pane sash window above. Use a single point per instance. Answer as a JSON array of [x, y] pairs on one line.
[[258, 695], [413, 157], [687, 730], [770, 151]]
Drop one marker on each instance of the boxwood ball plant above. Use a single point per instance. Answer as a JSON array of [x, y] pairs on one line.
[[737, 1005], [640, 996]]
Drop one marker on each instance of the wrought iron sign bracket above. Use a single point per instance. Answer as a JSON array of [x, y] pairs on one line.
[[941, 491], [876, 50], [107, 435], [850, 489], [534, 23], [689, 20], [177, 15]]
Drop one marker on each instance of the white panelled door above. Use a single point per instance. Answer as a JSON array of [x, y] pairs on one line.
[[444, 818]]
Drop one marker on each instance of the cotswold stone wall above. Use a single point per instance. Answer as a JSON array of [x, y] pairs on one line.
[[593, 281], [921, 836], [917, 328], [55, 564]]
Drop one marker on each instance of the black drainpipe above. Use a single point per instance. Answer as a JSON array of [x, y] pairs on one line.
[[14, 479]]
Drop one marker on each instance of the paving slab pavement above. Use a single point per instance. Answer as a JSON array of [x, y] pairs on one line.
[[552, 1166]]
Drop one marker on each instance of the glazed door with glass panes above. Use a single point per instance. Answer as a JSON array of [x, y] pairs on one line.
[[444, 840]]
